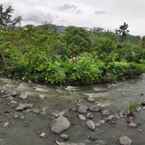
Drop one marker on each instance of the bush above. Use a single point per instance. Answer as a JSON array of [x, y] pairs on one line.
[[73, 56], [86, 69]]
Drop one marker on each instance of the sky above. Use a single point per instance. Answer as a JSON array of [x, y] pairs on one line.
[[109, 14]]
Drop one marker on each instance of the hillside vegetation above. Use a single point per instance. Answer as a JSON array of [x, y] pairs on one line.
[[74, 55]]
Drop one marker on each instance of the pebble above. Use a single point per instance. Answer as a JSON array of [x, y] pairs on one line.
[[65, 137], [91, 125], [91, 99], [82, 117], [6, 124], [92, 137], [24, 95], [90, 115], [132, 124], [82, 109], [125, 140], [24, 106], [105, 112], [42, 134], [94, 108]]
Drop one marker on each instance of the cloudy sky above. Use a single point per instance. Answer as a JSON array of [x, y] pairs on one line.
[[108, 14]]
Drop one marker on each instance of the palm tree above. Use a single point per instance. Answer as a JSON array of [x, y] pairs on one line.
[[6, 17], [123, 31]]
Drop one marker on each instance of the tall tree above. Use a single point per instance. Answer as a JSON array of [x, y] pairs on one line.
[[123, 31], [6, 16]]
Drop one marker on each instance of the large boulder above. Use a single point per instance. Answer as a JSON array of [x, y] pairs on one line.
[[60, 124]]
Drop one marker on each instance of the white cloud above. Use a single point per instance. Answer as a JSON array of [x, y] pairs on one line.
[[105, 13]]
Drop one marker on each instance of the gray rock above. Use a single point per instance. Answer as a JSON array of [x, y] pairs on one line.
[[71, 88], [24, 95], [6, 124], [63, 143], [82, 109], [132, 124], [82, 117], [90, 115], [36, 110], [125, 140], [91, 125], [14, 93], [91, 99], [105, 112], [60, 124], [42, 134], [100, 142], [94, 108], [110, 117], [65, 137], [93, 137], [24, 106], [41, 96]]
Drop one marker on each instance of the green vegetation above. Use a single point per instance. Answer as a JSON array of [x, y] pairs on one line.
[[75, 55], [132, 107]]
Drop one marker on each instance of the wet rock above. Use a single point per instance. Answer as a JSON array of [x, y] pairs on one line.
[[60, 124], [91, 99], [132, 124], [125, 140], [140, 130], [44, 111], [24, 95], [63, 143], [40, 89], [94, 108], [90, 115], [59, 113], [100, 142], [42, 134], [36, 111], [22, 117], [110, 117], [82, 117], [6, 124], [41, 96], [99, 89], [14, 93], [92, 137], [105, 112], [82, 109], [22, 86], [13, 102], [24, 106], [64, 137], [98, 124], [71, 88], [91, 125]]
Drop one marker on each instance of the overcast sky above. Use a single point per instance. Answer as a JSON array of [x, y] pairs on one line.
[[108, 14]]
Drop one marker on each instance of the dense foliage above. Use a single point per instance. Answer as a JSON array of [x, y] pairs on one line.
[[75, 55]]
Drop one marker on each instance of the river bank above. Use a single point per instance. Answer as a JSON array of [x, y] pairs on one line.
[[95, 115]]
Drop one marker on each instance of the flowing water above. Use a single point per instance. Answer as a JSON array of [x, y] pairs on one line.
[[24, 128]]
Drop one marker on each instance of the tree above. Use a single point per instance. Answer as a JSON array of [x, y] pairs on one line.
[[6, 16], [77, 40], [123, 31]]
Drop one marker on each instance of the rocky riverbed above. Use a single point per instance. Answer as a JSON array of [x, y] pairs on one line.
[[91, 115]]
